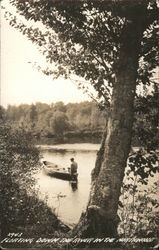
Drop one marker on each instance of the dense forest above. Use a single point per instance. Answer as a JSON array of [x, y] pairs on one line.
[[83, 121], [58, 120]]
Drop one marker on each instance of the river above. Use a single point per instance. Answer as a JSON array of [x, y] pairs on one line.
[[67, 201]]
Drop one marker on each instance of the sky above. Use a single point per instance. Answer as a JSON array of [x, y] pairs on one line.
[[20, 82]]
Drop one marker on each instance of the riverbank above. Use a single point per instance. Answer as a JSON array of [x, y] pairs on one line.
[[70, 137], [29, 217], [22, 212]]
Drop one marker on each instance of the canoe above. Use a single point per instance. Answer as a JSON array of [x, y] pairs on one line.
[[57, 171]]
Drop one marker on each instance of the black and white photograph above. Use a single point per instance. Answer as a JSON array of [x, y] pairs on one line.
[[79, 124]]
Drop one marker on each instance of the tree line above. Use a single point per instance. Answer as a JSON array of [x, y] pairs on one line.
[[58, 119]]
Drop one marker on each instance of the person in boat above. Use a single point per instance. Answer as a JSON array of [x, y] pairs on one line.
[[74, 167]]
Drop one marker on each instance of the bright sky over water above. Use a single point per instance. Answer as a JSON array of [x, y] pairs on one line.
[[20, 82]]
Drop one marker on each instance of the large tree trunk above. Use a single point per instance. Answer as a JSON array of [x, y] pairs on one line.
[[100, 156], [100, 218]]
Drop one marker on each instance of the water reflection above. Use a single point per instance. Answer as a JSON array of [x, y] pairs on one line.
[[68, 199], [74, 185]]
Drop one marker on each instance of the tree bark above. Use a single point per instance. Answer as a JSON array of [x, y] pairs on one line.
[[100, 218], [100, 155]]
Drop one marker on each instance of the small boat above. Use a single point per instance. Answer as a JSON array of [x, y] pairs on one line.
[[59, 172]]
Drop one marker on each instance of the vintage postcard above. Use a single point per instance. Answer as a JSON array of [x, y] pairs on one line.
[[79, 124]]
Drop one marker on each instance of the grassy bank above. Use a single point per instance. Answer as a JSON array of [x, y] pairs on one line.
[[22, 213]]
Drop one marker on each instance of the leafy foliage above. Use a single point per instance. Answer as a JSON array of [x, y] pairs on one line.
[[59, 123], [85, 38], [21, 211], [138, 208], [57, 119], [147, 120]]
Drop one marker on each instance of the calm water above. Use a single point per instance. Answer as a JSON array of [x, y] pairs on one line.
[[66, 200], [74, 200]]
